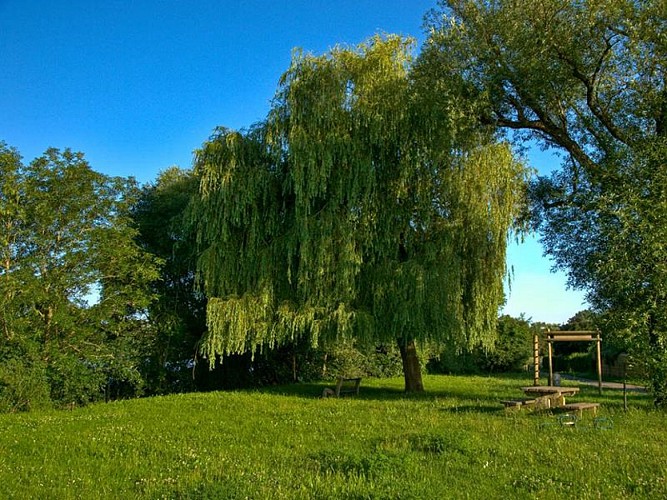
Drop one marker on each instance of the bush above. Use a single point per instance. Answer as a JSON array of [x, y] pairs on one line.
[[349, 360], [23, 386], [300, 362], [513, 348], [450, 362], [576, 362], [512, 351]]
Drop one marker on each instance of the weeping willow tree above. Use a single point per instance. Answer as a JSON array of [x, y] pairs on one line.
[[354, 210]]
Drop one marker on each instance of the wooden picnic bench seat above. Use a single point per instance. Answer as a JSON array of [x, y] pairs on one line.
[[343, 387], [515, 404], [579, 408]]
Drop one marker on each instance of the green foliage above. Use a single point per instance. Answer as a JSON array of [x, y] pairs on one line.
[[453, 442], [66, 235], [353, 211], [582, 320], [513, 349], [451, 362], [585, 320], [179, 311], [587, 78], [300, 362], [579, 363], [511, 352], [23, 385], [348, 360]]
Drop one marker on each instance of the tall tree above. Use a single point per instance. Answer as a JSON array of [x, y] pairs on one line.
[[179, 311], [72, 281], [582, 320], [589, 79], [354, 210]]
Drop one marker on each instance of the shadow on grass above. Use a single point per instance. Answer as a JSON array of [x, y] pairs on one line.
[[463, 394], [469, 400], [314, 391], [456, 401], [496, 409]]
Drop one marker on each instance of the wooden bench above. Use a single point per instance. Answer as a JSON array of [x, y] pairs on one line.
[[343, 387], [578, 408], [517, 404], [539, 403]]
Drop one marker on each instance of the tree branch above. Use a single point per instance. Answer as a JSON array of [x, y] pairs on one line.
[[591, 84], [558, 135], [543, 124]]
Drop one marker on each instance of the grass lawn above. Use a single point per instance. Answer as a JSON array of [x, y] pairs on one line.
[[455, 441]]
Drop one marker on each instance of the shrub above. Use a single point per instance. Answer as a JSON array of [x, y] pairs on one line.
[[23, 386], [450, 362], [513, 347], [512, 351], [349, 359]]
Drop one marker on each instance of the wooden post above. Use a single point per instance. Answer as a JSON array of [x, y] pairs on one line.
[[599, 362], [536, 359], [551, 366]]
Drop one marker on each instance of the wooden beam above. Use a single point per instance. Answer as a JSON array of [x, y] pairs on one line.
[[570, 338], [572, 332], [575, 336]]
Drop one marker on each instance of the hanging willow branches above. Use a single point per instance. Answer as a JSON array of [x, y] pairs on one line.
[[354, 209]]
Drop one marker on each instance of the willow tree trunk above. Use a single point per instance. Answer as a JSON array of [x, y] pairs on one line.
[[411, 368]]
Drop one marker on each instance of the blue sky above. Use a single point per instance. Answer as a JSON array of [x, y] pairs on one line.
[[138, 85]]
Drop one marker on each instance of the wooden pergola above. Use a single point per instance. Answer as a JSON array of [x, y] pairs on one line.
[[565, 336]]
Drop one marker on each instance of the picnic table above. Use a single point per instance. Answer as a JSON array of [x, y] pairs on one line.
[[542, 397], [549, 396]]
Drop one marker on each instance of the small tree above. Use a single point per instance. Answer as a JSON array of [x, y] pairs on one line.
[[354, 210]]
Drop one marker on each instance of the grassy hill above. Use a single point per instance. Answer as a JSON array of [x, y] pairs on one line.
[[455, 441]]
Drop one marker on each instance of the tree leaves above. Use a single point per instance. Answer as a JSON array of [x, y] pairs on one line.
[[588, 78], [67, 233], [353, 210]]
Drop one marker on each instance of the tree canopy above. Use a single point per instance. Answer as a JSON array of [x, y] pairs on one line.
[[178, 312], [355, 209], [72, 281], [589, 79]]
